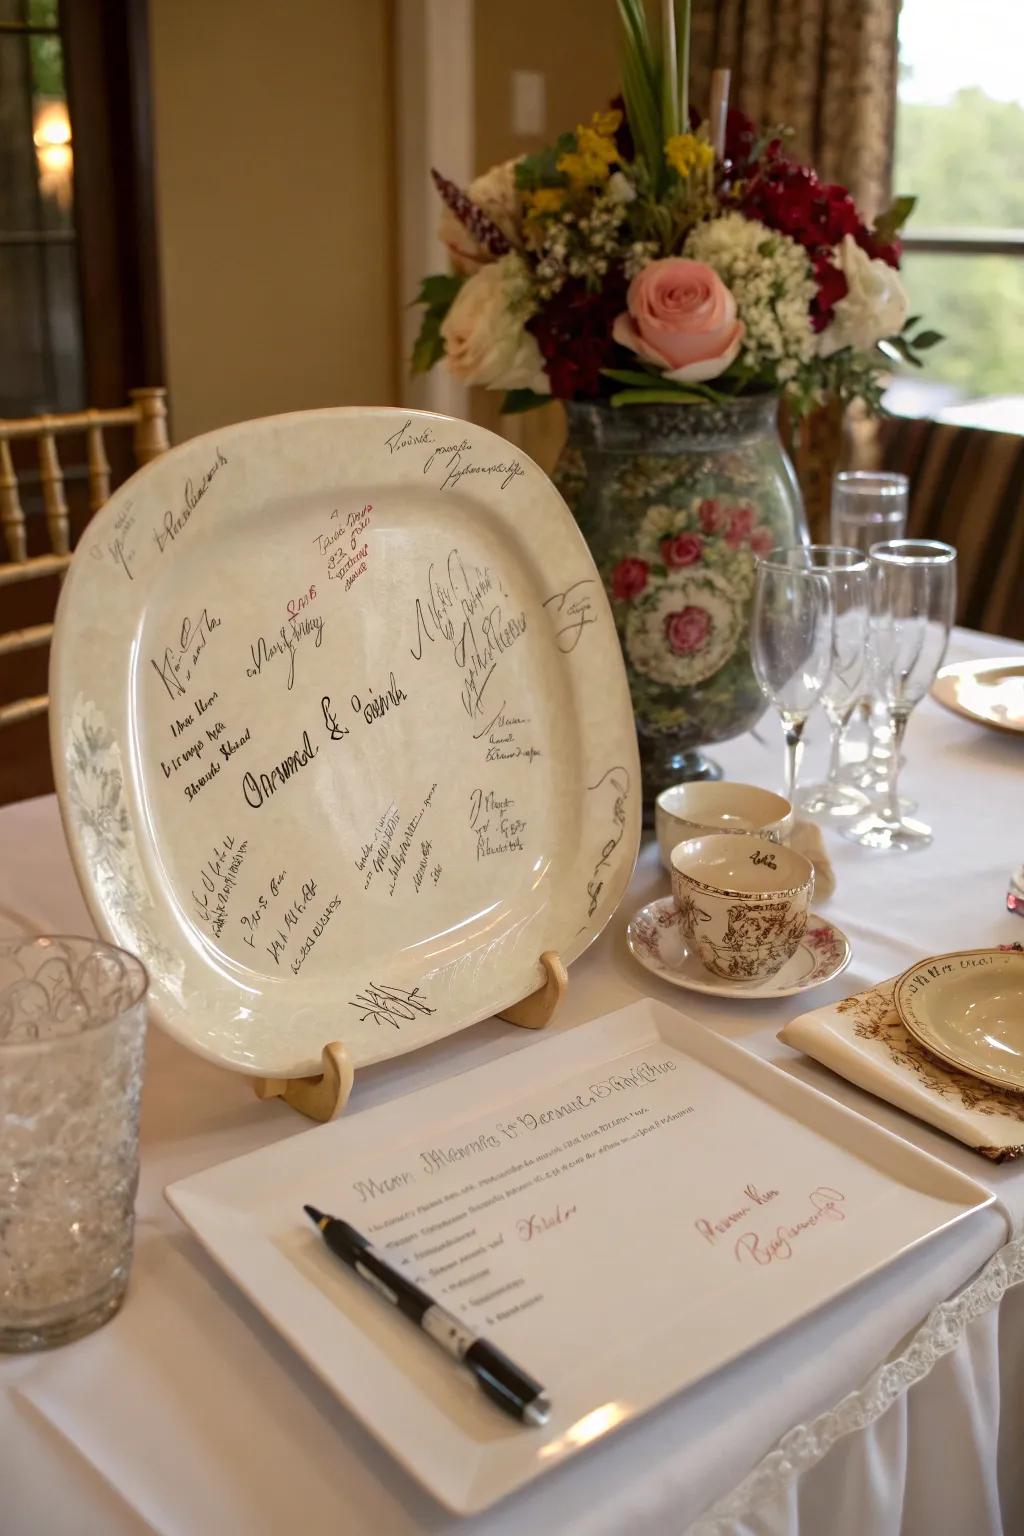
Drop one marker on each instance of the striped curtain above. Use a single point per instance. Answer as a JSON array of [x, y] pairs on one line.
[[967, 487], [827, 68]]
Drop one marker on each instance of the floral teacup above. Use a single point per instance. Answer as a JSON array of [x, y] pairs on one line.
[[742, 901], [694, 810]]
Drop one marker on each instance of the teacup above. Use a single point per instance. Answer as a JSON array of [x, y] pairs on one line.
[[743, 902], [695, 810]]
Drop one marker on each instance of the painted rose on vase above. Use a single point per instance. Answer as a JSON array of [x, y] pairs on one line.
[[681, 596]]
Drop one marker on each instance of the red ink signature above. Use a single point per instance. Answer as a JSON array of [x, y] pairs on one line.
[[825, 1206], [529, 1227], [296, 604], [711, 1231]]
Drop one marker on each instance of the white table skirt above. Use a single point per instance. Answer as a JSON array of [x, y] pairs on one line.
[[187, 1415]]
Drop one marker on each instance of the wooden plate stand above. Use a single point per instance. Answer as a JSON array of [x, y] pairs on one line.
[[325, 1096]]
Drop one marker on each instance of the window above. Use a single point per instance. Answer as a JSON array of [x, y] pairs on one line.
[[960, 148], [41, 361]]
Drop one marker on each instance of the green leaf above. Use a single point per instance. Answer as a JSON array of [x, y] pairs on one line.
[[439, 290], [666, 396], [632, 376], [429, 345], [911, 321], [641, 88], [889, 223], [657, 381], [926, 339], [518, 400]]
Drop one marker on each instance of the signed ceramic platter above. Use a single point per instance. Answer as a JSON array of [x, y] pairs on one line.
[[991, 692], [967, 1009], [341, 733], [642, 1168]]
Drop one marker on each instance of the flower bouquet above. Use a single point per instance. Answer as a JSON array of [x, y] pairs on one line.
[[670, 274]]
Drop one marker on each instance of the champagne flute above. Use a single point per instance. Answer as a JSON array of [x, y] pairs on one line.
[[869, 508], [791, 646], [913, 599], [846, 571]]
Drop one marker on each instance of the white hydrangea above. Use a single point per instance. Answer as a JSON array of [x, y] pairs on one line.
[[771, 279]]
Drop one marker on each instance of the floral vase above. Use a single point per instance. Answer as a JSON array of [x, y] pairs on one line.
[[675, 503]]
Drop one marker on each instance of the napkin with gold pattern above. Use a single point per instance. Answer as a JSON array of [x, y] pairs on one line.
[[863, 1039]]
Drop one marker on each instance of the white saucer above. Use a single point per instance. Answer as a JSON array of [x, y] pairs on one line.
[[656, 940]]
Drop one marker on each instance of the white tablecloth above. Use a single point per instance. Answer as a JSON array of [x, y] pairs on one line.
[[187, 1415]]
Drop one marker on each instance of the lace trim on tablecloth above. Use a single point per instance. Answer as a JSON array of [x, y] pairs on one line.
[[806, 1444]]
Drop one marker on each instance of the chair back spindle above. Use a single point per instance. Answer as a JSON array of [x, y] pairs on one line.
[[147, 417]]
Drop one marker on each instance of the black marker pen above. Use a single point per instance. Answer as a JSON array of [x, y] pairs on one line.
[[503, 1382]]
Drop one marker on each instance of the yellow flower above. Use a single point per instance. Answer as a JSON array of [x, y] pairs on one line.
[[607, 124], [545, 199], [595, 151], [686, 153]]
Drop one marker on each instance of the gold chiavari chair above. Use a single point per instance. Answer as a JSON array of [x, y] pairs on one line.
[[147, 416]]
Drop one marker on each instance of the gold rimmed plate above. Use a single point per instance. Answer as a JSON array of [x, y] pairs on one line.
[[991, 692], [967, 1008]]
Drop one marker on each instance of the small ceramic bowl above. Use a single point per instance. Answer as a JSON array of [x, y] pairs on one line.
[[743, 902], [694, 810]]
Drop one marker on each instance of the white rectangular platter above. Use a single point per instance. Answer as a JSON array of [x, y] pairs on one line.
[[623, 1208]]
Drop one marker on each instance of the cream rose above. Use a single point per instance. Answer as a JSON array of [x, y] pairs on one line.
[[484, 332], [875, 305], [496, 193], [681, 317]]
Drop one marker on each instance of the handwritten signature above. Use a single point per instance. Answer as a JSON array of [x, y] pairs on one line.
[[183, 656], [390, 1005], [619, 779], [534, 1225], [289, 638], [770, 1248], [462, 608], [575, 610]]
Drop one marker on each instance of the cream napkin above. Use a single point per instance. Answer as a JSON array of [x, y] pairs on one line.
[[806, 838], [863, 1040]]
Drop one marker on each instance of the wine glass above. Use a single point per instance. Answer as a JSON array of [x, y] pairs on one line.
[[869, 508], [913, 598], [791, 646], [846, 571]]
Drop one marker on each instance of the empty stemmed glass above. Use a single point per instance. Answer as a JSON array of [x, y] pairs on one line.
[[869, 508], [846, 571], [913, 598], [791, 646]]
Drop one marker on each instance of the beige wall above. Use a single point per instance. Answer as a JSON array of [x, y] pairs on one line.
[[274, 201], [574, 45]]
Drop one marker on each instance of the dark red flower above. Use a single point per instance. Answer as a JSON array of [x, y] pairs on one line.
[[837, 214], [629, 579], [791, 199], [832, 286], [684, 549], [574, 333], [889, 251]]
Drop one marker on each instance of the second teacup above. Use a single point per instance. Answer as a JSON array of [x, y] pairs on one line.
[[742, 902], [694, 810]]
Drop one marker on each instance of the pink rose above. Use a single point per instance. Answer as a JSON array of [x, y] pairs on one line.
[[687, 630], [682, 318], [684, 549], [629, 578], [711, 514], [761, 541]]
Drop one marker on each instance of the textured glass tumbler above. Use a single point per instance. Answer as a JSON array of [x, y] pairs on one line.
[[72, 1028]]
